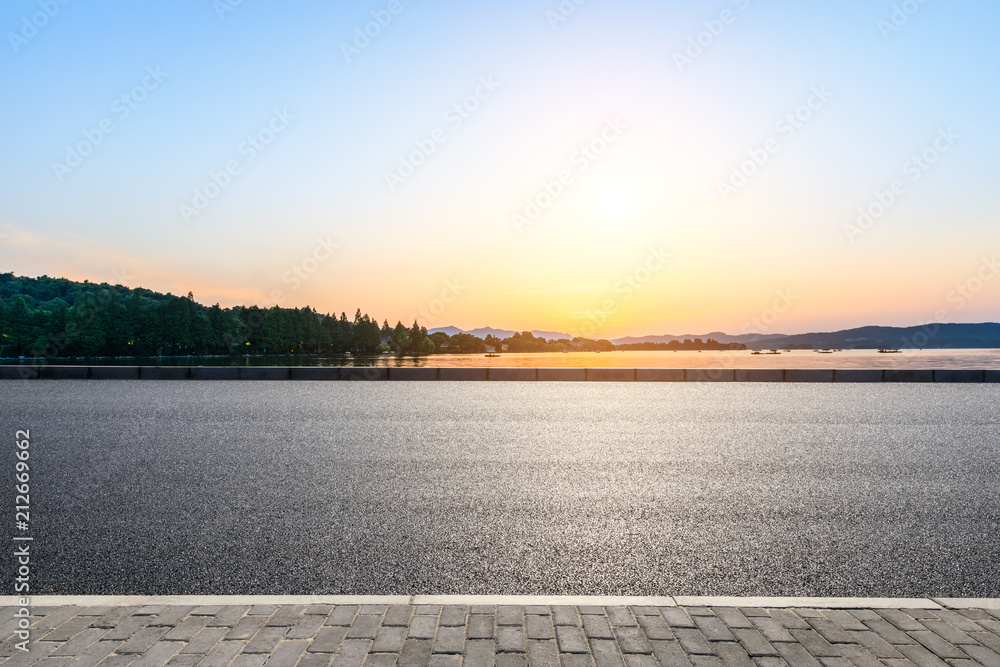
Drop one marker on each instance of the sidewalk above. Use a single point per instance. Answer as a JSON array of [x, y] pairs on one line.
[[491, 631]]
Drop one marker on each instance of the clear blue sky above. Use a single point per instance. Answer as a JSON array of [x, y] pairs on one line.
[[470, 238]]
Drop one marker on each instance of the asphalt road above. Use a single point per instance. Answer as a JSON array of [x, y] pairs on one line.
[[149, 487]]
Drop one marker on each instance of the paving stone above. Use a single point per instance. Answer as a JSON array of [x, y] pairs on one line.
[[422, 627], [830, 631], [956, 619], [510, 615], [381, 660], [508, 660], [445, 661], [247, 627], [262, 610], [879, 647], [306, 627], [770, 662], [788, 619], [454, 615], [796, 654], [543, 653], [864, 614], [754, 642], [94, 654], [643, 610], [287, 653], [84, 611], [900, 619], [538, 627], [266, 640], [315, 660], [732, 654], [920, 656], [983, 655], [635, 660], [921, 614], [699, 611], [975, 614], [319, 610], [125, 629], [714, 629], [286, 616], [510, 639], [158, 654], [987, 639], [373, 609], [113, 660], [66, 630], [889, 632], [859, 655], [834, 662], [483, 609], [591, 609], [80, 643], [365, 627], [620, 616], [479, 651], [150, 610], [676, 617], [480, 627], [949, 632], [427, 610], [807, 613], [632, 640], [844, 620], [415, 653], [185, 659], [597, 627], [654, 627], [576, 660], [450, 640], [228, 617], [753, 611], [328, 640], [204, 641], [397, 615], [814, 642], [389, 639], [706, 661], [248, 660], [223, 654], [172, 615], [207, 610], [732, 617], [692, 641], [571, 639], [352, 653], [142, 641], [771, 629], [606, 653], [537, 609], [565, 615], [937, 645], [342, 614], [187, 629]]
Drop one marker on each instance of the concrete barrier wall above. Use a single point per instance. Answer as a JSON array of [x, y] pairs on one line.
[[482, 374]]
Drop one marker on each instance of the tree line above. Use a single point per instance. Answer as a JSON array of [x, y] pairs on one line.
[[55, 317]]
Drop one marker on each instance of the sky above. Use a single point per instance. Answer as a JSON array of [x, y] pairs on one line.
[[585, 166]]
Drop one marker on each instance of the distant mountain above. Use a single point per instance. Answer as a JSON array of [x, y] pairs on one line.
[[715, 335], [873, 337], [483, 332]]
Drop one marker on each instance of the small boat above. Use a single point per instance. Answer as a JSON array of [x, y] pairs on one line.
[[773, 352], [756, 352], [824, 351], [888, 351], [492, 354]]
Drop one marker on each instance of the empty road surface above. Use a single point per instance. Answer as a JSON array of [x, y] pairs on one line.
[[149, 487]]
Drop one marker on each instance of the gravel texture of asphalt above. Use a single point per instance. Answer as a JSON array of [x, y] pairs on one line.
[[159, 487]]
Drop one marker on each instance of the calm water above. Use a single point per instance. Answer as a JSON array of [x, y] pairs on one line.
[[974, 358]]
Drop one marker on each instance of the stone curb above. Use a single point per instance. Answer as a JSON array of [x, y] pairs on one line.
[[577, 600], [483, 374]]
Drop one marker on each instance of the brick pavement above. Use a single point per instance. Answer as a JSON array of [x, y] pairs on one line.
[[503, 635]]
